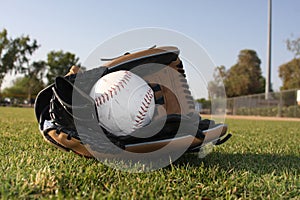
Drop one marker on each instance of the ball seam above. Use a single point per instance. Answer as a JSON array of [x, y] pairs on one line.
[[144, 107], [113, 90]]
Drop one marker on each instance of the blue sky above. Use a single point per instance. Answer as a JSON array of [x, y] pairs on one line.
[[222, 27]]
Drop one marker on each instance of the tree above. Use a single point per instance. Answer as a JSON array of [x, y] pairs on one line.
[[31, 83], [206, 104], [34, 75], [4, 42], [37, 69], [216, 87], [290, 74], [245, 77], [59, 63], [14, 53], [24, 86], [293, 45]]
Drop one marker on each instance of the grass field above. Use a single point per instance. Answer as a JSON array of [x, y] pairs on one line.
[[261, 161]]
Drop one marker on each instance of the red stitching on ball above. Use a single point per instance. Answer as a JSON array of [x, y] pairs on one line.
[[107, 96], [103, 98], [139, 119], [125, 82], [141, 113], [144, 104], [113, 90], [97, 101]]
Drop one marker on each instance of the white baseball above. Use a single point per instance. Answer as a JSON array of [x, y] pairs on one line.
[[124, 102]]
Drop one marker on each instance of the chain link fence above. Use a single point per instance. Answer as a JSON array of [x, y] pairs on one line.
[[277, 104]]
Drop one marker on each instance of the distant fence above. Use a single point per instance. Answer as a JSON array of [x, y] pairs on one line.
[[279, 104]]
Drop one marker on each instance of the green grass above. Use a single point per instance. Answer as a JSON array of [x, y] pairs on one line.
[[261, 161]]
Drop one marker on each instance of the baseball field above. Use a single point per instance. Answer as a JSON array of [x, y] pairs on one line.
[[260, 161]]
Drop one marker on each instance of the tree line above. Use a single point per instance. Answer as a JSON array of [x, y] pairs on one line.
[[245, 77], [15, 54]]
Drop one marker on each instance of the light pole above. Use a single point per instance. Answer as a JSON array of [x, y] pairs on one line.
[[268, 76]]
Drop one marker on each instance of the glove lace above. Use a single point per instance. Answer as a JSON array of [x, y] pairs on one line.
[[56, 119]]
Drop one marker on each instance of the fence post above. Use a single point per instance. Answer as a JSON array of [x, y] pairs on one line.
[[234, 106], [296, 103], [280, 105]]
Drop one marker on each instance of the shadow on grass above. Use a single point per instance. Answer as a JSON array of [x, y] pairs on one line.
[[262, 163]]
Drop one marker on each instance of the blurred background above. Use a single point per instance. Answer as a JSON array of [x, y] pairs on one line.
[[40, 40]]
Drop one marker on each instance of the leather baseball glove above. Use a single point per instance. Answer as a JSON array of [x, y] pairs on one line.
[[68, 118]]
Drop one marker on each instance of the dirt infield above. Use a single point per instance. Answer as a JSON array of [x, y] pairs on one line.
[[257, 118]]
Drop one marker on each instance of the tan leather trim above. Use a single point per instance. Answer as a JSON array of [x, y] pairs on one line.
[[72, 144], [173, 144], [74, 70], [139, 54]]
